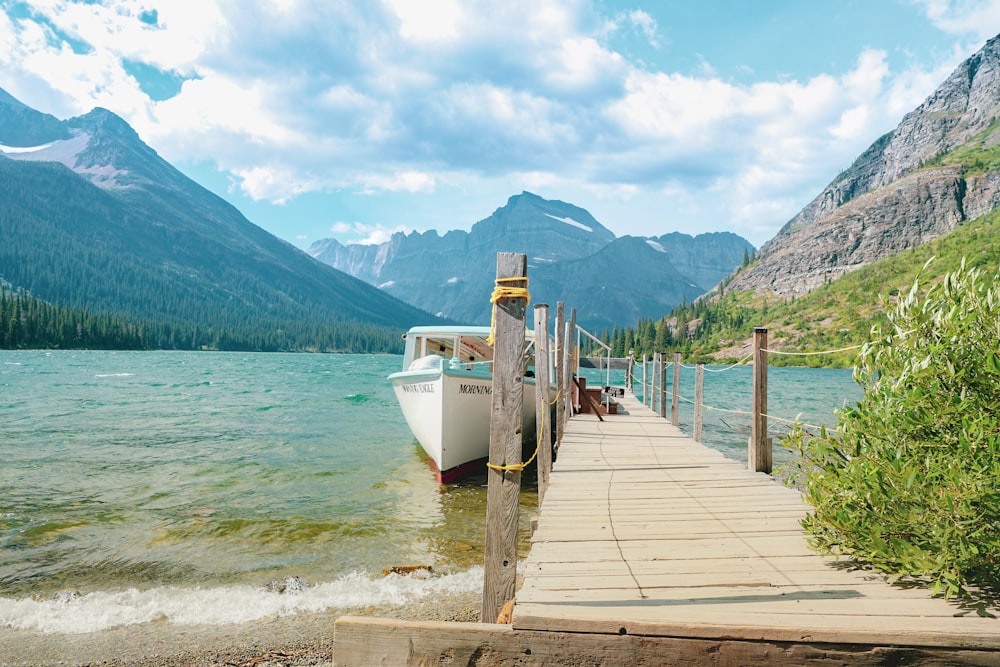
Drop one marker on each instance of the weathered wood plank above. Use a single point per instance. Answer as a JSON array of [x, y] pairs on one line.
[[507, 399], [361, 642], [646, 531]]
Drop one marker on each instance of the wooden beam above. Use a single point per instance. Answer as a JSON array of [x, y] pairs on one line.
[[560, 363], [676, 391], [759, 456], [699, 399], [543, 411], [584, 396], [507, 400], [360, 642]]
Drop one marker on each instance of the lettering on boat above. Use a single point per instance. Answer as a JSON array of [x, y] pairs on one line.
[[474, 389], [419, 388]]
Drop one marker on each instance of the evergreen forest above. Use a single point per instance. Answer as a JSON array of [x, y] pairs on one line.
[[30, 323]]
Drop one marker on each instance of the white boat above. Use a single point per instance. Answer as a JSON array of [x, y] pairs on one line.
[[445, 392]]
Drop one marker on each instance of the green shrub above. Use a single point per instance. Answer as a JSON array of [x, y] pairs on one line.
[[910, 481]]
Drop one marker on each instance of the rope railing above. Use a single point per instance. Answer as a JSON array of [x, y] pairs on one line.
[[746, 413], [809, 354], [759, 443]]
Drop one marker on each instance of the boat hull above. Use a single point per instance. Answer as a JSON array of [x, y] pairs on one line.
[[448, 412]]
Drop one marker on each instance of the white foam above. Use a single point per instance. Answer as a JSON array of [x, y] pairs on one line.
[[71, 614], [113, 375]]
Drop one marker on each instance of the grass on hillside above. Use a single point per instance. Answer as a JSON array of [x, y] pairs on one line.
[[841, 313]]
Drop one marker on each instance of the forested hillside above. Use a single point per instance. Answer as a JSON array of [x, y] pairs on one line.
[[30, 323], [93, 220], [837, 315]]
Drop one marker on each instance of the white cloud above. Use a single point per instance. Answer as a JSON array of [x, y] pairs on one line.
[[428, 20], [976, 18], [647, 25], [364, 234], [404, 181], [411, 98]]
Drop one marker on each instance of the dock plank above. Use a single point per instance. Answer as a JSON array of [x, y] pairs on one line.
[[644, 531]]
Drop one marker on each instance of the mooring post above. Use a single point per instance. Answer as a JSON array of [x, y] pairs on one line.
[[570, 368], [676, 391], [662, 379], [645, 380], [560, 362], [543, 412], [630, 373], [699, 398], [503, 475], [759, 456], [654, 379]]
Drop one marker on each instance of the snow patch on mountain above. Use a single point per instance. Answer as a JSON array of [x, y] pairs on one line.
[[571, 221], [67, 152], [64, 151], [656, 245]]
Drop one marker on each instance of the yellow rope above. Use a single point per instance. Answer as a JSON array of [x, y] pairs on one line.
[[519, 467], [503, 291]]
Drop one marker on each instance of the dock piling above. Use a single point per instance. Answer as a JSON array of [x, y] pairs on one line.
[[760, 444], [543, 412], [504, 477]]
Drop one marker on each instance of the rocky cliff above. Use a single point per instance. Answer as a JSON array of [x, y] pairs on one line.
[[901, 192]]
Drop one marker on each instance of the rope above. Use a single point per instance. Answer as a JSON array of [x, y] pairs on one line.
[[806, 354], [729, 368], [744, 413], [504, 291], [540, 431]]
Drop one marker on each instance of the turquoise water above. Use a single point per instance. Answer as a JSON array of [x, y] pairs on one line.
[[138, 486]]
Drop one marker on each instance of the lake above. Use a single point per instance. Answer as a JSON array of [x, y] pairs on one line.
[[204, 487]]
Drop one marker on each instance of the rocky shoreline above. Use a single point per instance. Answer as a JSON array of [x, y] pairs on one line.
[[292, 641]]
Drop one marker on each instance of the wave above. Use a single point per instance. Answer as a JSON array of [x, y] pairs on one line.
[[113, 375], [71, 613]]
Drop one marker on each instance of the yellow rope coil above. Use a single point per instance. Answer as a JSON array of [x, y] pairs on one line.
[[504, 291]]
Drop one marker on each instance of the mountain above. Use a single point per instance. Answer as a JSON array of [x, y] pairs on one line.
[[571, 258], [937, 169], [90, 216]]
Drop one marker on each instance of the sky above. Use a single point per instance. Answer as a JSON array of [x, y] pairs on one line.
[[355, 119]]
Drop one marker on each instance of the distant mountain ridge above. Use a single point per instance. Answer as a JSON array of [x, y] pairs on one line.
[[571, 258], [938, 168], [90, 216]]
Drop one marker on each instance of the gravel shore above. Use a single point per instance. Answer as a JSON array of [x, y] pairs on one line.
[[292, 641]]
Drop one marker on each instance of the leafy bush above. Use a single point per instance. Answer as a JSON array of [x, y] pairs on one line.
[[910, 482]]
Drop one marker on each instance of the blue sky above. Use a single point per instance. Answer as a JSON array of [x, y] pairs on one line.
[[353, 119]]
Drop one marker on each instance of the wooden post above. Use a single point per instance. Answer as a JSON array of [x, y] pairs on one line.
[[663, 386], [650, 395], [500, 564], [560, 386], [630, 373], [570, 362], [760, 445], [699, 399], [645, 380], [543, 412], [676, 393]]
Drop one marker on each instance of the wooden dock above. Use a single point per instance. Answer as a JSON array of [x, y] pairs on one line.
[[652, 550]]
